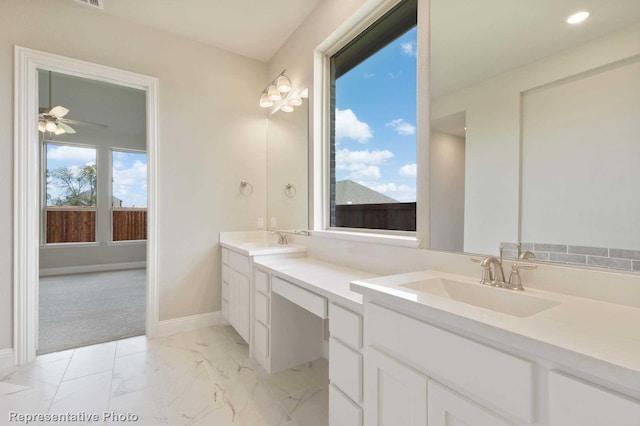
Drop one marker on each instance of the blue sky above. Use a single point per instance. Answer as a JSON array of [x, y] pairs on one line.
[[375, 121], [129, 171]]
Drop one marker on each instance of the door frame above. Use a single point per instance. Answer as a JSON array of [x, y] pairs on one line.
[[26, 198]]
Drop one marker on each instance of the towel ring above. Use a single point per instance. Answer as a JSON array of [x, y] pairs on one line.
[[243, 188], [290, 191]]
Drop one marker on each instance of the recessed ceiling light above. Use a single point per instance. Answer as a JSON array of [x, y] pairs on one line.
[[578, 17]]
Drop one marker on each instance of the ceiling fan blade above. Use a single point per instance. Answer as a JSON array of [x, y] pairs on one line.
[[66, 127], [59, 130], [59, 111], [41, 126], [83, 123]]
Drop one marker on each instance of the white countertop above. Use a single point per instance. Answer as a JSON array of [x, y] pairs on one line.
[[326, 279], [261, 247], [594, 330]]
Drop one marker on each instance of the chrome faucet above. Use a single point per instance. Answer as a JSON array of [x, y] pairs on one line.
[[282, 237]]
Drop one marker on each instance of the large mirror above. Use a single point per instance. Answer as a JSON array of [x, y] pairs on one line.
[[535, 130], [287, 168]]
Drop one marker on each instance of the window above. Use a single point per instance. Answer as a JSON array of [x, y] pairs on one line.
[[129, 196], [70, 193], [373, 133]]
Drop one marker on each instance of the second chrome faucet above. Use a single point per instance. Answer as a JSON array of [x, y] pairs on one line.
[[495, 276]]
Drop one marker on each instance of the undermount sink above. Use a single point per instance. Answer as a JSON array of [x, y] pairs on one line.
[[495, 299]]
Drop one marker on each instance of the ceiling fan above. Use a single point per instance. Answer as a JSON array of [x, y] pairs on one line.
[[53, 119]]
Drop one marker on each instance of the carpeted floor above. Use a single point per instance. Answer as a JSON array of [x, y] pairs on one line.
[[84, 309]]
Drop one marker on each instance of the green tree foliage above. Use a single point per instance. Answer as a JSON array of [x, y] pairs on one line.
[[76, 185]]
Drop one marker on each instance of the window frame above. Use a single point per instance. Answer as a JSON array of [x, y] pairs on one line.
[[112, 150], [43, 194], [321, 218]]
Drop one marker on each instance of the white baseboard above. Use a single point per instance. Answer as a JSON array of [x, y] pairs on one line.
[[48, 272], [6, 358], [192, 322]]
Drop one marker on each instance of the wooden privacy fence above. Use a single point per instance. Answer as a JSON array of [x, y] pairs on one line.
[[78, 224], [129, 224], [393, 216], [71, 225]]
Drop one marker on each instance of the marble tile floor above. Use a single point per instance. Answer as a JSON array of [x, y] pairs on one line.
[[202, 377]]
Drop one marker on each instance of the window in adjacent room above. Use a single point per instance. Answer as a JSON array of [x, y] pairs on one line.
[[129, 195], [373, 125], [71, 193]]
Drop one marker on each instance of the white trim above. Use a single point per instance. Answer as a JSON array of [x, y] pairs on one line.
[[189, 323], [26, 242], [7, 358], [48, 272], [384, 239], [325, 349]]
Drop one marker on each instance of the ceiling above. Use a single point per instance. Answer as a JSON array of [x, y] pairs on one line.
[[253, 28], [475, 40]]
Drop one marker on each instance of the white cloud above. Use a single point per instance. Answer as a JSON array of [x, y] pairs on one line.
[[402, 127], [368, 75], [72, 153], [348, 126], [365, 172], [403, 193], [375, 157], [130, 184], [409, 48], [393, 76], [408, 170]]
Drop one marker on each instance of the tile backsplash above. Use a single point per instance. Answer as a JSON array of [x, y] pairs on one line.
[[602, 257]]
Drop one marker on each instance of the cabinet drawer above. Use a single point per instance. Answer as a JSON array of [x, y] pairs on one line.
[[239, 263], [226, 273], [345, 326], [261, 336], [491, 375], [342, 411], [313, 303], [261, 307], [225, 291], [345, 369], [576, 403], [261, 281], [225, 256]]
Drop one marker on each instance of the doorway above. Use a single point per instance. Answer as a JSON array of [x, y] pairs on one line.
[[30, 192]]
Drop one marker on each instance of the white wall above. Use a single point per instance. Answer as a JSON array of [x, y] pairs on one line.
[[123, 111], [493, 133], [211, 136], [581, 161], [446, 164]]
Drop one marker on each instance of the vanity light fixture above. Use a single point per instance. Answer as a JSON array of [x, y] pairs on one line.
[[286, 108], [578, 17], [277, 89]]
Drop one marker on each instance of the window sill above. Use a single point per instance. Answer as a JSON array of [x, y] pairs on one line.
[[68, 245], [126, 242], [410, 241]]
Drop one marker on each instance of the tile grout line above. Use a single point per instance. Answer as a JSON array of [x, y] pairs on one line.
[[53, 398], [113, 369]]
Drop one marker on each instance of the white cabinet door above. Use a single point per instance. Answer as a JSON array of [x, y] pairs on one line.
[[573, 402], [395, 394], [447, 408], [239, 303]]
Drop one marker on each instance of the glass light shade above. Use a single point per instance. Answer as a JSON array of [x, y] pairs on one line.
[[576, 18], [273, 93], [286, 108], [283, 84], [41, 126], [50, 126], [304, 93], [265, 102], [295, 101]]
